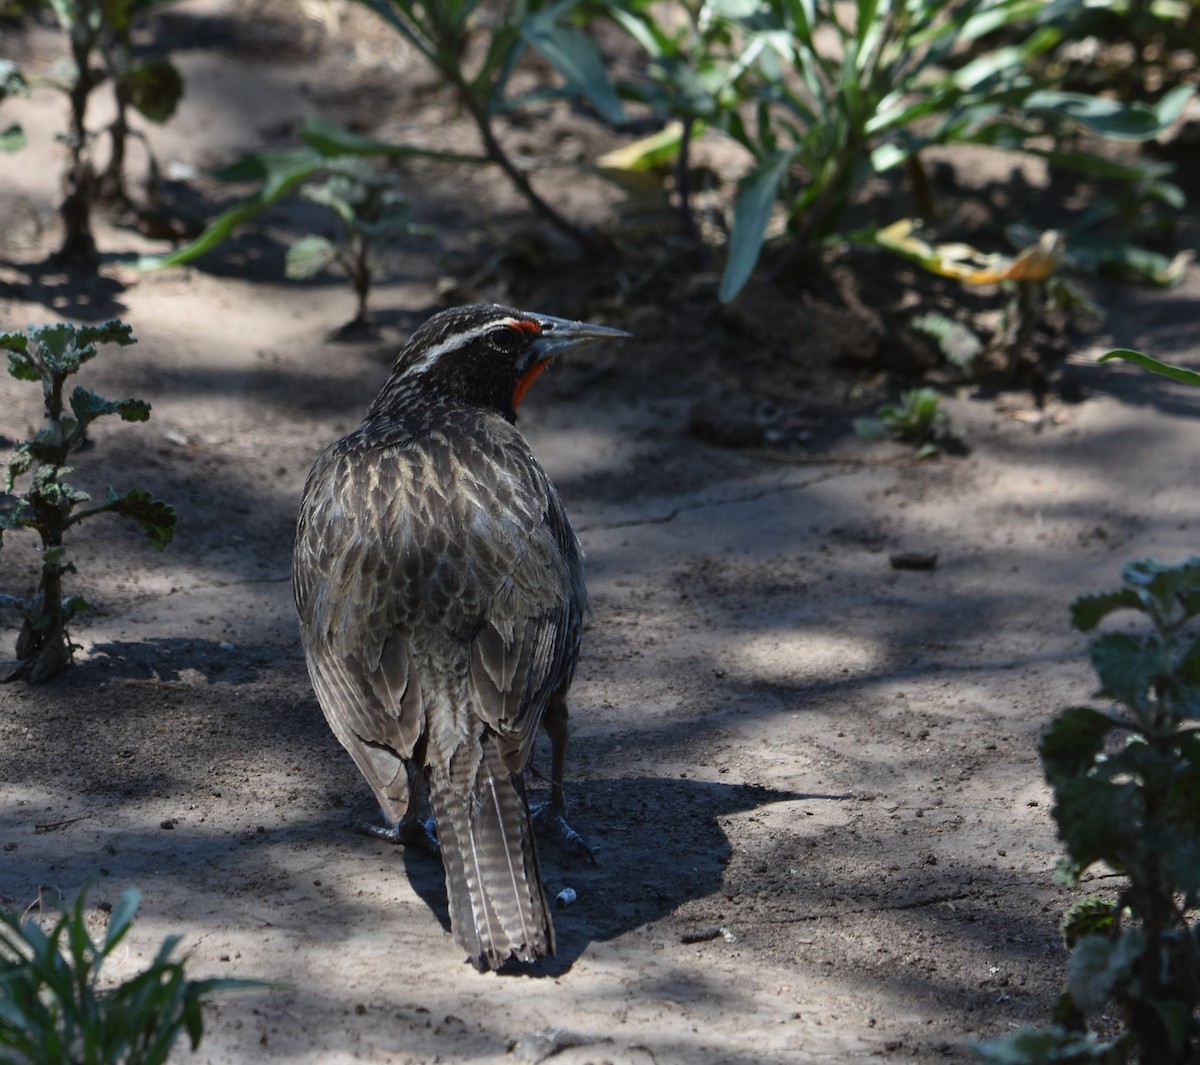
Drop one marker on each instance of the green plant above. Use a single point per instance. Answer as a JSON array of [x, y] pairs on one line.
[[12, 83], [100, 44], [1033, 283], [49, 505], [1126, 786], [475, 48], [822, 95], [372, 213], [918, 419], [54, 1011], [445, 33], [900, 88], [696, 63]]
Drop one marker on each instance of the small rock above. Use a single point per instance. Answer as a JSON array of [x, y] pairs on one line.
[[925, 560]]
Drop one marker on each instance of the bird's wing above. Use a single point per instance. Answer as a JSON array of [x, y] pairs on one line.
[[524, 646], [353, 626]]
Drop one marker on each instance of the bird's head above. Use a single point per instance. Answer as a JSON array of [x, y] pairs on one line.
[[484, 355]]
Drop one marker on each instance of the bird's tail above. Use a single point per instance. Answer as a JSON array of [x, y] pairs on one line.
[[498, 907]]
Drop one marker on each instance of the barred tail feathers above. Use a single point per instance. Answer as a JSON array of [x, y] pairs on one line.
[[498, 907]]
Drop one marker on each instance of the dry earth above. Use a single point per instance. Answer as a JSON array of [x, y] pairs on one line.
[[810, 778]]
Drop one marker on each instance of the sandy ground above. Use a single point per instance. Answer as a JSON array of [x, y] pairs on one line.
[[810, 778]]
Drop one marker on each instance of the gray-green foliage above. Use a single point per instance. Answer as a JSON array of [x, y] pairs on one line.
[[54, 1011], [99, 33], [475, 49], [917, 419], [12, 83], [48, 504], [372, 214], [1126, 783], [823, 95]]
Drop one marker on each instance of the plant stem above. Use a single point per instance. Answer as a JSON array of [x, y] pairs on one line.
[[496, 153], [79, 246], [683, 187]]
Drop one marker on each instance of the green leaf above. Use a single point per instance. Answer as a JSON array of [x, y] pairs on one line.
[[1171, 106], [1070, 746], [1097, 820], [74, 604], [751, 213], [12, 81], [1129, 668], [155, 88], [331, 140], [1089, 610], [577, 59], [309, 256], [1056, 1045], [1104, 116], [280, 172], [868, 428], [121, 917], [12, 139], [87, 407], [1089, 917], [113, 331], [1099, 964], [155, 517], [1175, 373]]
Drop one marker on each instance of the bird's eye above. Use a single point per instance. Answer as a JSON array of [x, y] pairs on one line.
[[503, 339]]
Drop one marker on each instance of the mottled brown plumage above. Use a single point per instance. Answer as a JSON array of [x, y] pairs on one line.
[[440, 591]]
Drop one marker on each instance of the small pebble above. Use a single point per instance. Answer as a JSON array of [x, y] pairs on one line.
[[926, 560]]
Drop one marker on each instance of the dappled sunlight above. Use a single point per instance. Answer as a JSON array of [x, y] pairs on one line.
[[802, 657]]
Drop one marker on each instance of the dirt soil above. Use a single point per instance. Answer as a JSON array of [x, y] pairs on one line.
[[810, 777]]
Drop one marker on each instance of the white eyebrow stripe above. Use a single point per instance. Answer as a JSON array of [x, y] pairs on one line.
[[455, 340]]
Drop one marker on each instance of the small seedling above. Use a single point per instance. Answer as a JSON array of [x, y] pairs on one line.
[[54, 1011], [99, 36], [1126, 785], [49, 505], [372, 213], [918, 419], [12, 83]]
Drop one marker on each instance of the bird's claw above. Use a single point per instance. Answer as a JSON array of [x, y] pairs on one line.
[[418, 834], [549, 817]]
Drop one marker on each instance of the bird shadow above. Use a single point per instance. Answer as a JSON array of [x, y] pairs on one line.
[[658, 842]]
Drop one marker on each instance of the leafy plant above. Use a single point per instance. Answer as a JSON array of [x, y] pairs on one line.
[[98, 32], [447, 32], [822, 95], [696, 63], [444, 33], [12, 83], [1126, 783], [54, 1011], [372, 213], [918, 419], [49, 505]]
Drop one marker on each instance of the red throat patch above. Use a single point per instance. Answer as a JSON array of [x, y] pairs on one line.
[[525, 381]]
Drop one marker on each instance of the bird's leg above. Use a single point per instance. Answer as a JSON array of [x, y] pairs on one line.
[[411, 830], [552, 814]]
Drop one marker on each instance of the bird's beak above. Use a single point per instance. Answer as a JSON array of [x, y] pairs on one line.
[[558, 334]]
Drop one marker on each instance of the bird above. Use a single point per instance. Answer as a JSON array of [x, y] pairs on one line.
[[440, 594]]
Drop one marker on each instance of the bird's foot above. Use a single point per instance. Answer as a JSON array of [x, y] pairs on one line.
[[550, 817], [418, 834]]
